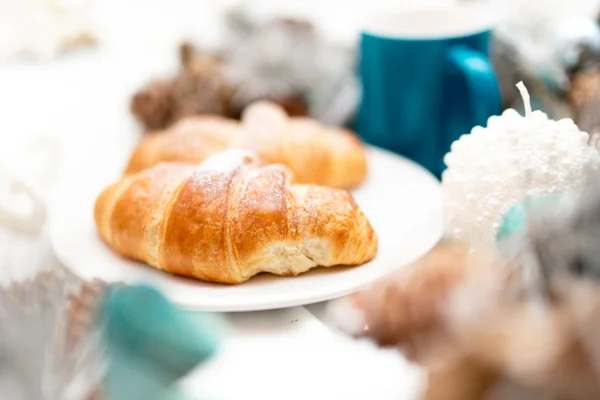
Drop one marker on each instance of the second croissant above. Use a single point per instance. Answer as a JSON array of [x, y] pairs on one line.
[[315, 153]]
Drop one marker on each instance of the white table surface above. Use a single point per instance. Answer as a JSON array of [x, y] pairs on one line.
[[268, 355]]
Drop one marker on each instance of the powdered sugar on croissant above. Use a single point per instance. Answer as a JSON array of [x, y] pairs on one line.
[[228, 161]]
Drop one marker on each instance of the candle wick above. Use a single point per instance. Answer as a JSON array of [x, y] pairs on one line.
[[525, 96]]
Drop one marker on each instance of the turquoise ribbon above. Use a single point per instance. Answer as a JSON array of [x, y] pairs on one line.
[[515, 219], [151, 344]]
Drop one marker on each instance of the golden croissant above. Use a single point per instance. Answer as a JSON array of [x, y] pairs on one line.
[[315, 153], [231, 218]]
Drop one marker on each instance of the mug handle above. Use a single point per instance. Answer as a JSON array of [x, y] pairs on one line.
[[482, 83]]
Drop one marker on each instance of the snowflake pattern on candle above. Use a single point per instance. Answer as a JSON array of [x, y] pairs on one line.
[[514, 157]]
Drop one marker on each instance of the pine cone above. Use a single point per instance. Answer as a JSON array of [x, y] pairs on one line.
[[201, 86], [295, 105], [153, 106], [584, 86], [82, 309], [584, 98]]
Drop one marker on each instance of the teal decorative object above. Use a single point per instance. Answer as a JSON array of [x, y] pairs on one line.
[[515, 219], [151, 344]]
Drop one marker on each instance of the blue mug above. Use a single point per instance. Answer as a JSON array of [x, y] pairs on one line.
[[426, 79]]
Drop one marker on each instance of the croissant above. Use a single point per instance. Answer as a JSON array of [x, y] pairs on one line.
[[191, 140], [315, 153], [231, 218]]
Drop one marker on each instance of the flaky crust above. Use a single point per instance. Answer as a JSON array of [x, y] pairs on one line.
[[315, 153], [229, 219]]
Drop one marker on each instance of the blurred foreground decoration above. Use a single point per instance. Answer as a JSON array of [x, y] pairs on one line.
[[283, 60], [63, 338], [151, 344], [489, 326], [49, 346]]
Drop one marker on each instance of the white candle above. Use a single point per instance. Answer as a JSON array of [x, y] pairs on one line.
[[495, 167]]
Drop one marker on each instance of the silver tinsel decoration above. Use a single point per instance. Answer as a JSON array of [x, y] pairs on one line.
[[279, 58], [48, 341], [547, 44], [563, 234], [49, 345], [560, 242]]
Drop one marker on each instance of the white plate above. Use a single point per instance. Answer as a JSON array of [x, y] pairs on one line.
[[401, 200]]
